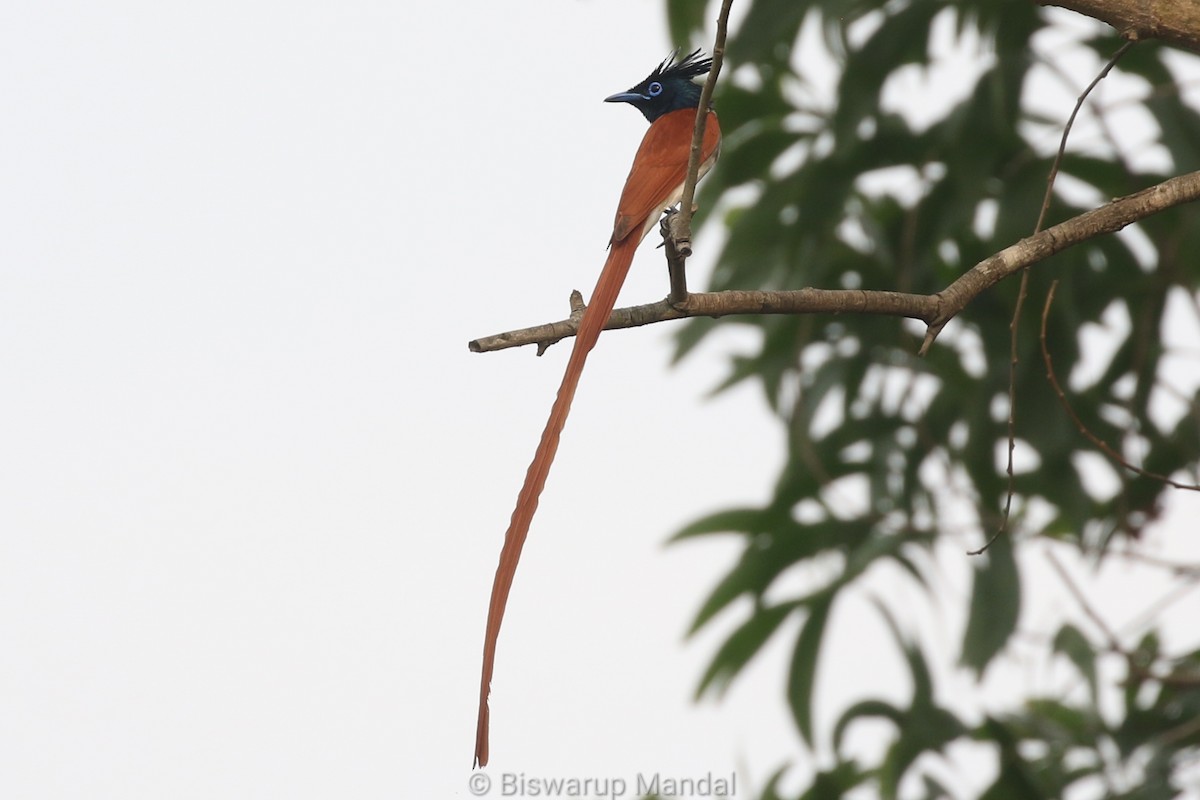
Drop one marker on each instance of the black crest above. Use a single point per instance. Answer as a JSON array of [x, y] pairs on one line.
[[690, 66], [668, 88]]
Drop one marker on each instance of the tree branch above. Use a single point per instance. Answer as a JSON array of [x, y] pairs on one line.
[[1175, 22], [1106, 219], [677, 228], [723, 304], [935, 310]]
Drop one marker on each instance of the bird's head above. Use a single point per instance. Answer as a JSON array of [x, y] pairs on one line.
[[668, 88]]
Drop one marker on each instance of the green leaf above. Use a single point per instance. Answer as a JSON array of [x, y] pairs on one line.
[[1061, 725], [735, 520], [995, 605], [741, 646], [1071, 642], [835, 783], [900, 41], [744, 578], [777, 544], [1016, 776], [753, 159], [803, 671], [837, 190], [927, 729], [685, 19], [866, 709], [771, 789], [767, 24]]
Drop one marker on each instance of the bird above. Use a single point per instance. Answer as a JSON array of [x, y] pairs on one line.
[[669, 99]]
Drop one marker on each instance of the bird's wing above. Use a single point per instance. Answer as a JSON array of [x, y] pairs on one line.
[[659, 169]]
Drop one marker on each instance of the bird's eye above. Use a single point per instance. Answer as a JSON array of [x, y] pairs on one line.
[[655, 89]]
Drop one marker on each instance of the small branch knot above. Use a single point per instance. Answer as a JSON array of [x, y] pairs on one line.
[[577, 304], [677, 232]]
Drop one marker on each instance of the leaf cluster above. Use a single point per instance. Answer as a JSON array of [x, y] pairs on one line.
[[887, 454]]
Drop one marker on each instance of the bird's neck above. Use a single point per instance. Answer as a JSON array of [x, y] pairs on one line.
[[687, 95]]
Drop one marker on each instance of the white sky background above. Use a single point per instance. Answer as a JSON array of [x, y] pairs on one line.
[[253, 485]]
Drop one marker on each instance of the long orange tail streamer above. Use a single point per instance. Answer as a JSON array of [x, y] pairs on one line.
[[654, 182], [594, 317]]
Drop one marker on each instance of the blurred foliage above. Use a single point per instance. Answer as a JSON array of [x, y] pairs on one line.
[[887, 454]]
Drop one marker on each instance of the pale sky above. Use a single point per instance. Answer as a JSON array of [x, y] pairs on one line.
[[254, 486]]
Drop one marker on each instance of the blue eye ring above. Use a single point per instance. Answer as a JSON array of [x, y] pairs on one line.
[[654, 89]]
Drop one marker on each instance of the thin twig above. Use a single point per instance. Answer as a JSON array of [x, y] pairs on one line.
[[1013, 329], [1180, 732], [1185, 678], [1100, 112], [1014, 325], [706, 94], [1114, 643], [1182, 570], [1066, 404], [1062, 142], [677, 229]]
